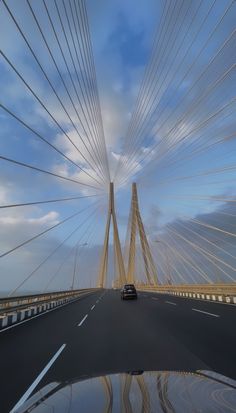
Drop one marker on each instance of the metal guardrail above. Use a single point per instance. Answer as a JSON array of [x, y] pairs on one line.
[[9, 304], [214, 292]]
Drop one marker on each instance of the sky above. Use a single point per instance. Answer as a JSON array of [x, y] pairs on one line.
[[165, 78]]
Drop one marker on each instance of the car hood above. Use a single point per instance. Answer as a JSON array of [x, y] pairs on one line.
[[159, 391]]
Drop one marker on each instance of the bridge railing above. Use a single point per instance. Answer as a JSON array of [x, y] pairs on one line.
[[213, 292], [9, 303], [16, 309]]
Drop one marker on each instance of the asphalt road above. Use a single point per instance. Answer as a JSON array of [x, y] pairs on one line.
[[102, 334]]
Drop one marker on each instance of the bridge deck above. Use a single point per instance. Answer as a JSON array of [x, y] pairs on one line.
[[156, 332]]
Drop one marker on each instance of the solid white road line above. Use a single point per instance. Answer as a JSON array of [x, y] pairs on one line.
[[81, 322], [205, 312], [38, 379], [170, 302], [92, 307]]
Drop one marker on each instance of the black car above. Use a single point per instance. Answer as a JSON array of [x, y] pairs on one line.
[[128, 291]]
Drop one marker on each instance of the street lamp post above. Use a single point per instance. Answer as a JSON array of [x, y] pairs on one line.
[[75, 263], [169, 278]]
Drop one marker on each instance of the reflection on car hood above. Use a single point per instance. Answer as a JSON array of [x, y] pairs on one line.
[[148, 392]]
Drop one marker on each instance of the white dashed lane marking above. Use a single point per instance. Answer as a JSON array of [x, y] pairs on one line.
[[205, 312], [81, 322]]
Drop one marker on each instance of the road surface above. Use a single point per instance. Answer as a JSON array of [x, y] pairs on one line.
[[100, 334]]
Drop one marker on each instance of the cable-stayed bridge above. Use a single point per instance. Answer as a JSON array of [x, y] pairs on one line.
[[82, 212]]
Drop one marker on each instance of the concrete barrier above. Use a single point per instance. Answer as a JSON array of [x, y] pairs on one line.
[[221, 298], [22, 315], [34, 310], [12, 318], [27, 313], [3, 321]]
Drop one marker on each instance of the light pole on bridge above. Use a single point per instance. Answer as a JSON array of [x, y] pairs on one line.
[[75, 263]]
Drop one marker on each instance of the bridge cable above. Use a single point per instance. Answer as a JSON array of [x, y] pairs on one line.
[[49, 256], [94, 77], [154, 70], [97, 161], [208, 39], [150, 82], [74, 247], [41, 233], [95, 135], [49, 113], [39, 135], [32, 52], [48, 201], [50, 83], [201, 48], [25, 165]]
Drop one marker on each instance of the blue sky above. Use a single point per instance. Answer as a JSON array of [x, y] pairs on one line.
[[122, 34]]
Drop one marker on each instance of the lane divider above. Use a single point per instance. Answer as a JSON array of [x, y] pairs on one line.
[[37, 380], [92, 307], [205, 312], [154, 298], [81, 322], [170, 302]]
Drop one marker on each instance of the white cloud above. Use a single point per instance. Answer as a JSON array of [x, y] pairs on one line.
[[3, 194], [19, 222], [48, 219], [64, 144]]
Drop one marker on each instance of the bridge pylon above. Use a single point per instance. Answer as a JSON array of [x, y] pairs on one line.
[[137, 225], [121, 278]]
